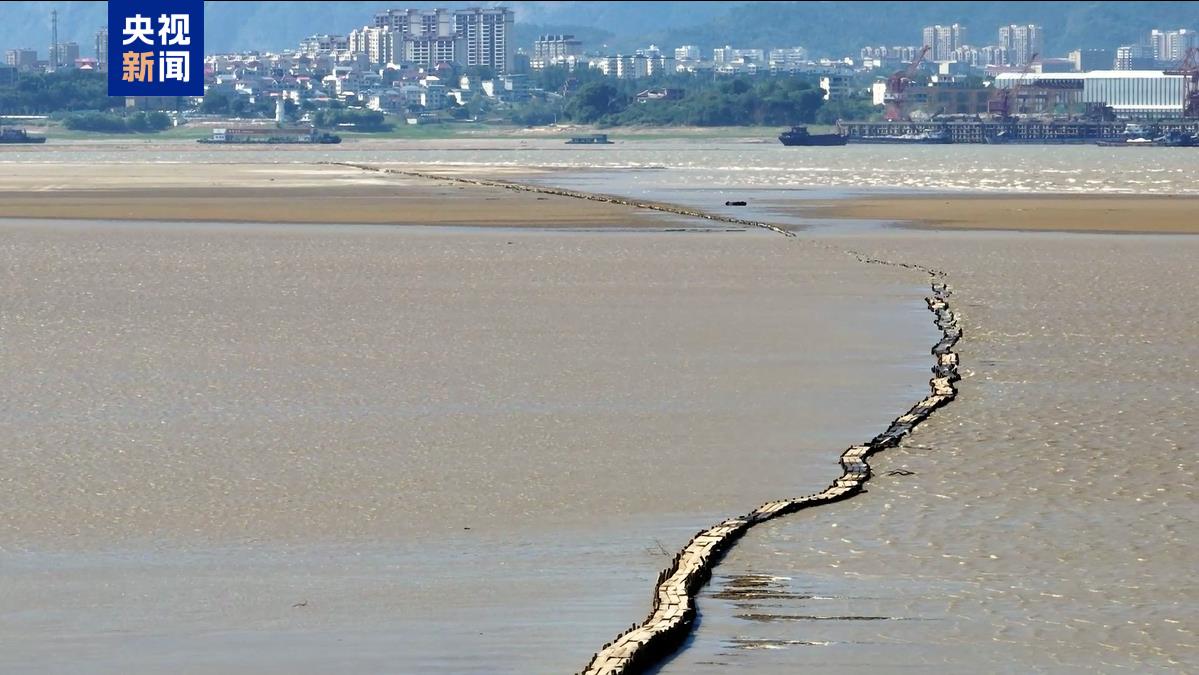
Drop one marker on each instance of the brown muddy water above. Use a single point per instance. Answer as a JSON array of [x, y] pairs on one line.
[[1043, 522], [373, 449]]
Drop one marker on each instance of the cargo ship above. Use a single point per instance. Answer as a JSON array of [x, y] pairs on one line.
[[800, 136], [1170, 139], [14, 135], [269, 136]]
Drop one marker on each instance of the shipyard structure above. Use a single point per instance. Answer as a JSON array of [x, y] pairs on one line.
[[1036, 107]]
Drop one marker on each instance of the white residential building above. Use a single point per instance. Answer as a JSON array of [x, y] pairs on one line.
[[686, 53]]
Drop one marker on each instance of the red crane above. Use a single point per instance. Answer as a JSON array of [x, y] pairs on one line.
[[897, 84], [1002, 100], [1189, 69]]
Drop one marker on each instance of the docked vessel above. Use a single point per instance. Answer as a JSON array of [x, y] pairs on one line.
[[591, 139], [14, 135], [269, 136], [933, 137], [800, 136], [1170, 139]]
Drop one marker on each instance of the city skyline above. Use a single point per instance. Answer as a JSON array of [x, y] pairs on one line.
[[264, 27]]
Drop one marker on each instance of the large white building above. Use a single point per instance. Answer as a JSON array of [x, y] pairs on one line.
[[727, 54], [552, 50], [686, 53], [324, 44], [787, 60], [1130, 93], [469, 37]]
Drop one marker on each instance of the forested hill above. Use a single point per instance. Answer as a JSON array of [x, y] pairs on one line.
[[825, 28], [235, 26], [840, 28]]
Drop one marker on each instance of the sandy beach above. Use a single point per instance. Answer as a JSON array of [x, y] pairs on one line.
[[282, 193], [316, 193]]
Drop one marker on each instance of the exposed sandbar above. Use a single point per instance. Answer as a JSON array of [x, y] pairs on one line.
[[1060, 212], [293, 193]]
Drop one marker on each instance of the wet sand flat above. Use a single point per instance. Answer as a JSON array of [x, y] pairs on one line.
[[288, 193], [1053, 212], [261, 446], [1043, 521]]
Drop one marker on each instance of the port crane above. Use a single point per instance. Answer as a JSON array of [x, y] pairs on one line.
[[897, 84], [1189, 69], [1003, 100]]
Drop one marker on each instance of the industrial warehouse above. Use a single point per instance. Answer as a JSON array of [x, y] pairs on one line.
[[1038, 107]]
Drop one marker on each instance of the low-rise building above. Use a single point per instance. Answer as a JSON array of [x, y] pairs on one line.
[[660, 94], [554, 50], [1085, 60], [1134, 57], [836, 87]]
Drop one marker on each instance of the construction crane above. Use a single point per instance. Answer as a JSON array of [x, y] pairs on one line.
[[897, 84], [1189, 69], [1003, 99]]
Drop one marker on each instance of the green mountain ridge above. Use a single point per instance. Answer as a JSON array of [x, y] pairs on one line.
[[833, 29]]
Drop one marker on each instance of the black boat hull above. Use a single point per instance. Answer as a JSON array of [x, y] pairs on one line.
[[822, 140]]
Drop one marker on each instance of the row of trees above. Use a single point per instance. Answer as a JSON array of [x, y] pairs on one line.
[[595, 99], [585, 96], [42, 93], [139, 122], [360, 120]]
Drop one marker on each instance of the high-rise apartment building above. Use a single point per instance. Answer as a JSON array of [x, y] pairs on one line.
[[1170, 46], [469, 37], [944, 40], [1021, 42], [66, 53], [488, 35], [379, 44]]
